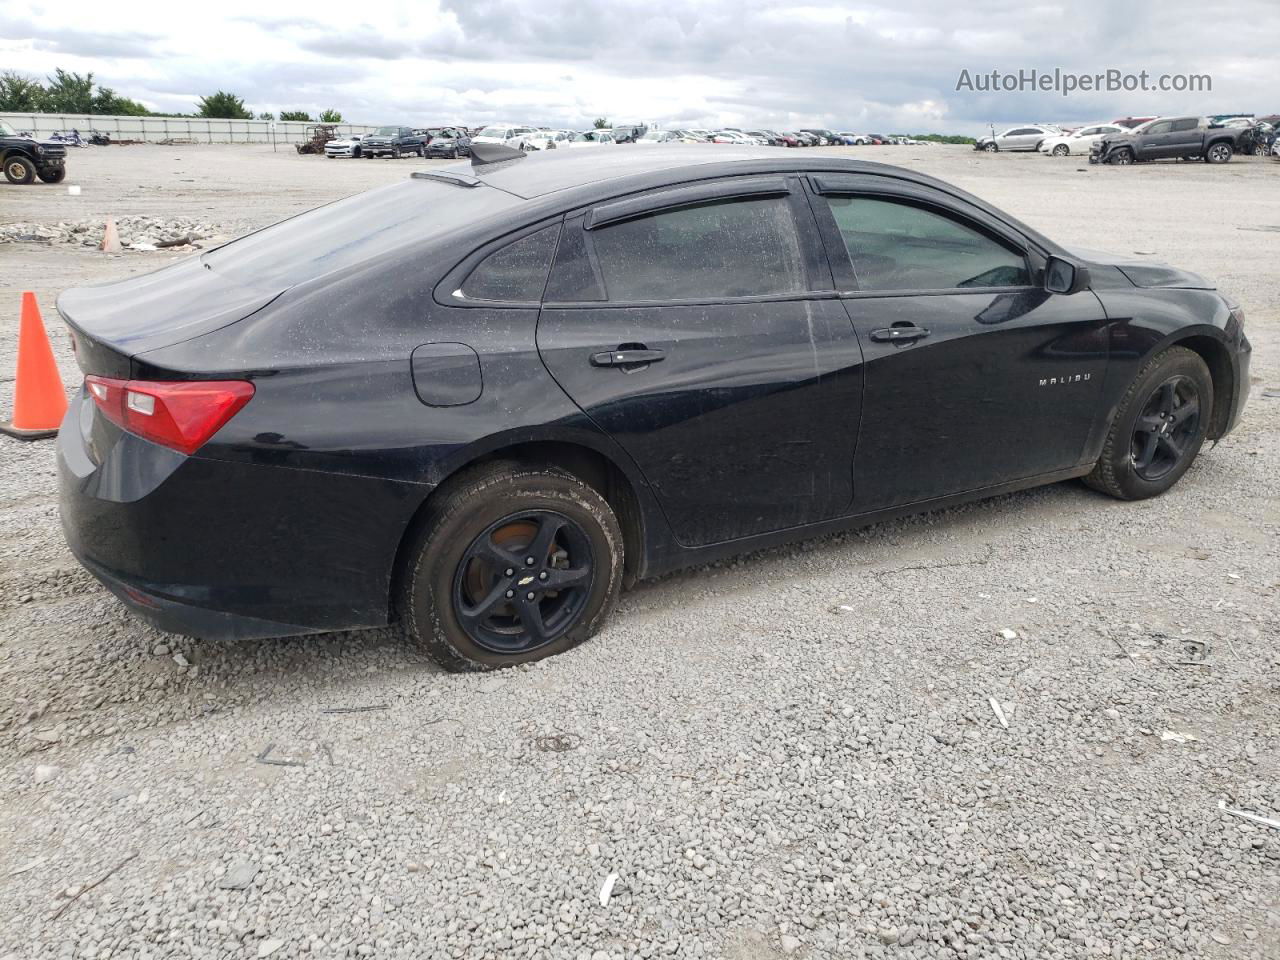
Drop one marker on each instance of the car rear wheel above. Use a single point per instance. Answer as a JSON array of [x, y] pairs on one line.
[[1218, 153], [1159, 427], [1061, 150], [514, 563], [19, 170]]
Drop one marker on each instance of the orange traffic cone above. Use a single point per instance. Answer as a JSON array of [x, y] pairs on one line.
[[39, 400], [110, 238]]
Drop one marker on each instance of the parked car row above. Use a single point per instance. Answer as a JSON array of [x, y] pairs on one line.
[[455, 142], [396, 142], [1137, 139]]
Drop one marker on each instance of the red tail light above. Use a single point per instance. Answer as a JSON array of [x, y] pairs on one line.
[[179, 414]]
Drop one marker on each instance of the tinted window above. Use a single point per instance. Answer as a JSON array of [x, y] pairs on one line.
[[740, 248], [1188, 124], [894, 246], [517, 272]]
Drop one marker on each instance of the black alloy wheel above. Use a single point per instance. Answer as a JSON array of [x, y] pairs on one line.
[[1164, 430], [523, 582], [511, 562], [1159, 427]]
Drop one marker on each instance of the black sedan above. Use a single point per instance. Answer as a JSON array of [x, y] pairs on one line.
[[485, 399]]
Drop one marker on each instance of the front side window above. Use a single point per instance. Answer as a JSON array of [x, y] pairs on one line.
[[740, 248], [517, 273], [896, 246], [1159, 127], [1188, 124]]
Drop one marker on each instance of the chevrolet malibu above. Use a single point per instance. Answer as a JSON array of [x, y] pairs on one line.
[[538, 379]]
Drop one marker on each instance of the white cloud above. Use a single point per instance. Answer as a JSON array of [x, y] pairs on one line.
[[886, 64]]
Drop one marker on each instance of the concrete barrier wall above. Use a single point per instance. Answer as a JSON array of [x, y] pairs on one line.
[[154, 129]]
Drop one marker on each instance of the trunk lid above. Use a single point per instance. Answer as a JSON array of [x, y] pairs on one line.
[[114, 322]]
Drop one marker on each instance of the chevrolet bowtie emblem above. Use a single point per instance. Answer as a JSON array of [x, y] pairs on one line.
[[526, 581]]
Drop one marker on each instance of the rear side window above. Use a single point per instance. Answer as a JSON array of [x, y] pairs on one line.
[[516, 272], [895, 246], [741, 248]]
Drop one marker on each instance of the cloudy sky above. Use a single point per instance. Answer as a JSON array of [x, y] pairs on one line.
[[889, 65]]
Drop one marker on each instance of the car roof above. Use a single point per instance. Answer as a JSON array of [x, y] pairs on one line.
[[595, 175]]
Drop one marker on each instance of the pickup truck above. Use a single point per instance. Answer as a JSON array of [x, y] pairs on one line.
[[1169, 138], [23, 158], [394, 142]]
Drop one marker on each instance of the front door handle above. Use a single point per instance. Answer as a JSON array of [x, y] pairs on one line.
[[899, 334], [625, 358]]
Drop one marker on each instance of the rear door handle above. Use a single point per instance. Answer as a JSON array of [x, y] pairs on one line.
[[624, 358], [899, 334]]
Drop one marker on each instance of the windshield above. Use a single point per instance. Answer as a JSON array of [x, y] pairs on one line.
[[6, 130], [498, 133], [386, 131], [654, 135]]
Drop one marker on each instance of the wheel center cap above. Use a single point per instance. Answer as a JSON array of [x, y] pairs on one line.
[[525, 581]]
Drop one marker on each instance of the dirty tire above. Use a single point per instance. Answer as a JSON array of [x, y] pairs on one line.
[[56, 175], [19, 170], [475, 502], [1115, 472]]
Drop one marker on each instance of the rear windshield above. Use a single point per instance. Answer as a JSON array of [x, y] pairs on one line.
[[356, 229]]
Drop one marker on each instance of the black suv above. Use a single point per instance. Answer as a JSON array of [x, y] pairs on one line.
[[24, 158]]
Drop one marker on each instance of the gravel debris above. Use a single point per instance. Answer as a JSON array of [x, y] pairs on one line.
[[139, 233]]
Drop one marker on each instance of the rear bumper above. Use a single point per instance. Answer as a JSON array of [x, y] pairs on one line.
[[227, 549], [185, 619]]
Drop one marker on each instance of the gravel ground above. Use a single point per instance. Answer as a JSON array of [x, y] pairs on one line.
[[766, 772]]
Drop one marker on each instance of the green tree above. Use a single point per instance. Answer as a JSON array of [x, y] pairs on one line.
[[223, 106], [107, 101], [602, 123], [19, 94], [266, 115], [294, 115], [331, 116], [68, 93]]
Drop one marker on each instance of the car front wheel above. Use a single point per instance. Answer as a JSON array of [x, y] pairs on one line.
[[513, 564], [54, 175], [1122, 157], [1159, 427], [1061, 150]]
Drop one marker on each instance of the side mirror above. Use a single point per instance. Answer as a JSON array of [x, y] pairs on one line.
[[1063, 276]]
